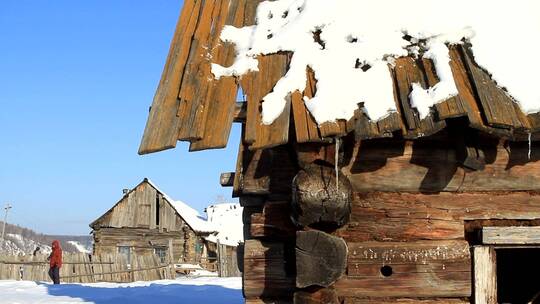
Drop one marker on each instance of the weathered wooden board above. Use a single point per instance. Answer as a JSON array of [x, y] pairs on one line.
[[265, 271], [511, 235], [406, 73], [198, 80], [256, 86], [373, 226], [162, 126], [388, 216], [465, 103], [214, 101], [485, 275], [433, 167], [257, 167], [498, 107], [414, 269], [364, 128], [306, 128], [449, 206]]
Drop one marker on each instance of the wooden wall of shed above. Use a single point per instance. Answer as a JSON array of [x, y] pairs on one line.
[[144, 241], [415, 208]]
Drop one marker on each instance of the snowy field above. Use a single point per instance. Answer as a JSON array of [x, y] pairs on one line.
[[185, 291]]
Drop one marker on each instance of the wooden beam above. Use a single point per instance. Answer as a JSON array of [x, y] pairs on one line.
[[385, 216], [265, 272], [274, 222], [426, 269], [321, 259], [432, 167], [227, 179], [485, 275], [317, 199], [511, 235]]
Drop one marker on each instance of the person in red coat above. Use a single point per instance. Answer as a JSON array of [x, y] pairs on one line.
[[55, 262]]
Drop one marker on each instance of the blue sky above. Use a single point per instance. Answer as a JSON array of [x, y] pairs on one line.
[[76, 80]]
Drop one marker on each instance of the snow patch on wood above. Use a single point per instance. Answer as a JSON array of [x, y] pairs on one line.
[[350, 45]]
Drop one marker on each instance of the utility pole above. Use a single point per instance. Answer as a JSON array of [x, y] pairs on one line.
[[7, 207]]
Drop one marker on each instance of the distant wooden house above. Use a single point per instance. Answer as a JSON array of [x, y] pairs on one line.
[[407, 209], [147, 221]]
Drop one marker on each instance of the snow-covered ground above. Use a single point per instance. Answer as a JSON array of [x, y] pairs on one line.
[[185, 291]]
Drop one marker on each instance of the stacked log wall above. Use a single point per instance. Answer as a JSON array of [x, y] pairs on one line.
[[142, 241], [415, 214]]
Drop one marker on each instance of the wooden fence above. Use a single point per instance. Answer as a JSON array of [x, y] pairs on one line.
[[227, 261], [84, 268]]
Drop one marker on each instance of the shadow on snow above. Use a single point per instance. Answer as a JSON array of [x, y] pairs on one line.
[[157, 293]]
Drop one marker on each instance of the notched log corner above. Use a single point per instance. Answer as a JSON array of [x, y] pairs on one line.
[[321, 259], [318, 201]]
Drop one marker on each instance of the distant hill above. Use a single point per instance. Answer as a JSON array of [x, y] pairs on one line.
[[21, 240]]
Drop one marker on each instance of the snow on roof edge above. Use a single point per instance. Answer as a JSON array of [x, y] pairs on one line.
[[190, 215]]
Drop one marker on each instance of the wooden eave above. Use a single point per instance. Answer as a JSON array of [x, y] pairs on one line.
[[191, 105]]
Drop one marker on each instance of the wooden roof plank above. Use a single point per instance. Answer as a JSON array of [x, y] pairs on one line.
[[498, 107], [365, 129], [327, 129], [467, 98], [305, 125], [162, 125], [247, 81], [220, 101], [333, 129], [198, 76], [407, 72], [256, 86], [449, 108], [390, 124]]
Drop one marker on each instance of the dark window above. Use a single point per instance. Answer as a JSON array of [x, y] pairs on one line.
[[516, 275]]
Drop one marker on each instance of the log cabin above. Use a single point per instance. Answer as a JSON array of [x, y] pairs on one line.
[[442, 208], [147, 221]]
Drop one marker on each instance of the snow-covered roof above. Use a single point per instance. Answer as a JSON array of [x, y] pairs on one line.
[[227, 219], [190, 215], [377, 68], [374, 33]]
